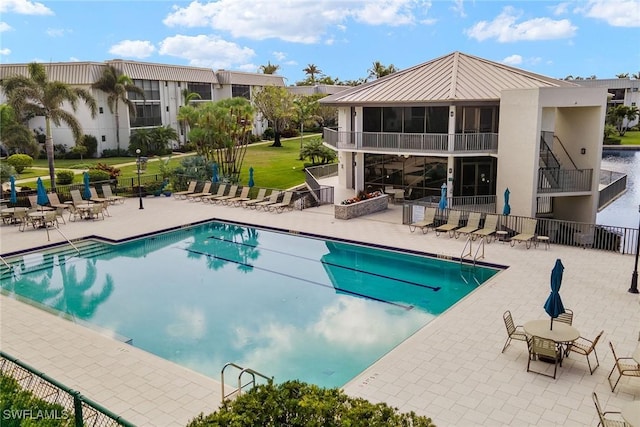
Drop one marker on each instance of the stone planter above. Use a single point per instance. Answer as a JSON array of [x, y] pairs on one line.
[[364, 207]]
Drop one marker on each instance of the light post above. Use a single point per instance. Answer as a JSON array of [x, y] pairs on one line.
[[634, 277], [139, 187]]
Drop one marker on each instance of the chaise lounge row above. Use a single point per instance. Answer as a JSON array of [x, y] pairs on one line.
[[276, 201]]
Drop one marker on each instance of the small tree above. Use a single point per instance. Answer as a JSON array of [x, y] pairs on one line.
[[275, 103], [20, 161]]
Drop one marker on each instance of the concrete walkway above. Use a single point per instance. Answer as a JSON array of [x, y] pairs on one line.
[[451, 370]]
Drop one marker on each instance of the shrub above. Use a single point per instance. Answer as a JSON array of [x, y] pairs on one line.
[[115, 153], [113, 172], [64, 177], [20, 161], [97, 175], [612, 141], [91, 142], [290, 133], [295, 403], [6, 171], [268, 134]]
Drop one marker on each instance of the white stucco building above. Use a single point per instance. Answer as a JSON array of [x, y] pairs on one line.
[[479, 127], [163, 86], [622, 92]]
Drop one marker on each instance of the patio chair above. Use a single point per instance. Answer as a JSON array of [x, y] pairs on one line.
[[427, 221], [585, 347], [33, 201], [262, 193], [196, 197], [566, 317], [489, 229], [602, 416], [233, 190], [473, 223], [271, 200], [286, 203], [236, 201], [106, 190], [210, 198], [528, 233], [453, 222], [183, 194], [624, 368], [76, 197], [60, 208], [95, 198], [96, 211], [544, 348], [513, 332]]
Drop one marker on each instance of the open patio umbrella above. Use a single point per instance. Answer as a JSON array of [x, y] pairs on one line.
[[214, 175], [86, 192], [251, 183], [507, 209], [554, 306], [13, 198], [443, 197]]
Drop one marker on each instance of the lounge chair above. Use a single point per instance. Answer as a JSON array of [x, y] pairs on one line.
[[453, 222], [77, 197], [95, 198], [473, 223], [236, 201], [427, 221], [284, 204], [271, 200], [220, 193], [33, 201], [106, 190], [528, 233], [262, 193], [489, 229], [233, 190], [585, 347], [55, 203], [206, 192], [183, 194]]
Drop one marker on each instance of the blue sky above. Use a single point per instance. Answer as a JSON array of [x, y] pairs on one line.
[[341, 37]]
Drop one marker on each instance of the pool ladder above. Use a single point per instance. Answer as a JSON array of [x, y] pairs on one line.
[[241, 386], [467, 252]]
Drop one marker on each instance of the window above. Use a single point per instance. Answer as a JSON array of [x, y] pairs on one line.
[[151, 90], [242, 91], [372, 119], [147, 115], [414, 119], [202, 89], [392, 119]]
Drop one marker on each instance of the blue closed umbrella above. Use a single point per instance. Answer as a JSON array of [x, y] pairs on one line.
[[14, 197], [443, 197], [553, 306], [42, 199], [214, 175], [507, 209], [86, 192], [251, 183]]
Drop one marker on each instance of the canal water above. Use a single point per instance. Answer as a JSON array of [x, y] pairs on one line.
[[624, 211]]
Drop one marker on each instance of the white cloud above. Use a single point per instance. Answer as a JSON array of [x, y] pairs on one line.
[[560, 8], [133, 49], [458, 8], [249, 68], [513, 60], [57, 32], [5, 51], [206, 51], [617, 13], [504, 28], [279, 55], [24, 7], [292, 21], [5, 27], [74, 59]]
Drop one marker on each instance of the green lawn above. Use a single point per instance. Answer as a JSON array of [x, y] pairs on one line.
[[631, 138]]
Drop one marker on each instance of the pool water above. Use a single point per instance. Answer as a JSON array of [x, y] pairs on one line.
[[285, 305]]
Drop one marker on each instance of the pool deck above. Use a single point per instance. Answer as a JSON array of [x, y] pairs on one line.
[[452, 370]]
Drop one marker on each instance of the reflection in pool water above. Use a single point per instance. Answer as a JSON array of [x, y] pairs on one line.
[[624, 211], [284, 305]]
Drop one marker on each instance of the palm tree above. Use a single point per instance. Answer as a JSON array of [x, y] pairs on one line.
[[622, 75], [14, 135], [187, 112], [116, 85], [378, 70], [312, 70], [636, 75], [269, 68], [34, 95]]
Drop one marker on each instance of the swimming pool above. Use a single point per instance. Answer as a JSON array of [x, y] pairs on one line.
[[289, 306]]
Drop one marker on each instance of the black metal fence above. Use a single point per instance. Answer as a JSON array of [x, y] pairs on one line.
[[82, 410]]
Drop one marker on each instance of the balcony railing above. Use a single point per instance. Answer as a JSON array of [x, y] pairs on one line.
[[556, 180], [412, 142]]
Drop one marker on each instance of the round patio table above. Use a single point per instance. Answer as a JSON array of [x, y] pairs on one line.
[[631, 413], [561, 332], [10, 212]]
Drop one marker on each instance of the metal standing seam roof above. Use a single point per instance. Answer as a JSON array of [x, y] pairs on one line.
[[227, 77], [454, 77], [87, 73]]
